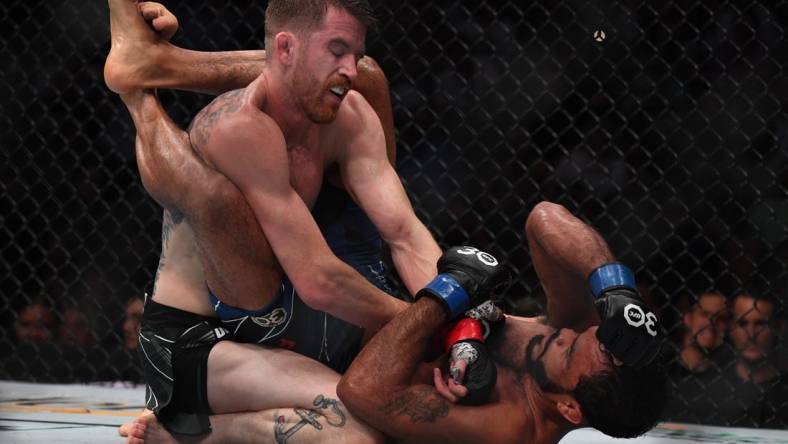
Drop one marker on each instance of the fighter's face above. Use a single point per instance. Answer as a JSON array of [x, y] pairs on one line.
[[35, 323], [708, 320], [751, 333], [556, 362], [325, 67]]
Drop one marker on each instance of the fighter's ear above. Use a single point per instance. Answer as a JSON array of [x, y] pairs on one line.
[[285, 44], [570, 409]]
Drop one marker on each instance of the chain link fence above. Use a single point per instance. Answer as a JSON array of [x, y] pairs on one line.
[[663, 124]]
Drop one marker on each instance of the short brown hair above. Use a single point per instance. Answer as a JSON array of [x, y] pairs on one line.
[[307, 14]]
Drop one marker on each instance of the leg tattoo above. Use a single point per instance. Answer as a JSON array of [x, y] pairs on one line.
[[328, 408]]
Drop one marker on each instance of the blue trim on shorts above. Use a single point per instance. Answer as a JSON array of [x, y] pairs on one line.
[[227, 312]]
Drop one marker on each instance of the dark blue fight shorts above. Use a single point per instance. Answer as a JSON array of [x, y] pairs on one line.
[[288, 322]]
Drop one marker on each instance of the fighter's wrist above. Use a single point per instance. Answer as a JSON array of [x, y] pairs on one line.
[[609, 276], [466, 329], [433, 309], [446, 290]]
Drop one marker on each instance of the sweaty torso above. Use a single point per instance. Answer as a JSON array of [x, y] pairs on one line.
[[220, 242]]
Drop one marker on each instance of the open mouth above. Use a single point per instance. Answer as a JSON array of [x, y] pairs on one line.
[[339, 91]]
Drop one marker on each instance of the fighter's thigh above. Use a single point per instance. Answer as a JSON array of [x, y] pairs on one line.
[[246, 377]]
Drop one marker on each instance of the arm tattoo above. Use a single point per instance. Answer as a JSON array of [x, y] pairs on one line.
[[332, 410], [420, 403], [200, 128]]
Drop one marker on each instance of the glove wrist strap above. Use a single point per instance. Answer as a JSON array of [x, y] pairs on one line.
[[611, 275], [451, 293], [463, 330]]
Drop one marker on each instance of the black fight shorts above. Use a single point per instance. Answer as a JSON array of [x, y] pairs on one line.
[[174, 348]]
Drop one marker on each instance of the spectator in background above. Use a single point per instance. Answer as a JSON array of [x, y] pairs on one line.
[[35, 323], [754, 335], [75, 328], [705, 324], [131, 323], [760, 397], [700, 358]]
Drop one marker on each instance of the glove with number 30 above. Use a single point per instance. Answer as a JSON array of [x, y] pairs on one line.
[[466, 278], [628, 328]]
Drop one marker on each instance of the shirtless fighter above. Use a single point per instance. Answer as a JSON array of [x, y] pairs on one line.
[[580, 365], [274, 139]]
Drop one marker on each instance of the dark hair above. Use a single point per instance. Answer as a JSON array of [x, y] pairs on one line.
[[760, 295], [306, 14], [623, 402]]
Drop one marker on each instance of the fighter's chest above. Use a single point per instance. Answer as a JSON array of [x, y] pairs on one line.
[[306, 172]]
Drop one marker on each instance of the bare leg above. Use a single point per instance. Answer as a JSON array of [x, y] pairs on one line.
[[258, 380], [270, 426]]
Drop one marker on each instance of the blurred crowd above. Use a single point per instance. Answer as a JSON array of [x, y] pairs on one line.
[[730, 365], [55, 344], [671, 138]]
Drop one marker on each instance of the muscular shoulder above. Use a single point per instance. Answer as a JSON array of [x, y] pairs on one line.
[[228, 117]]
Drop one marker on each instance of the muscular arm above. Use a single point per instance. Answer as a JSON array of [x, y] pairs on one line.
[[376, 387], [370, 178], [232, 142], [565, 251]]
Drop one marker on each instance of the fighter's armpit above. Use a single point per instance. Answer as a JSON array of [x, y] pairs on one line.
[[203, 124], [421, 403]]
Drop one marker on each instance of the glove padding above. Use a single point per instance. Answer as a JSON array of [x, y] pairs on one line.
[[466, 278], [481, 373], [628, 328]]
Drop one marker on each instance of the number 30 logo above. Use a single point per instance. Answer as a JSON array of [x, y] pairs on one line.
[[485, 258], [635, 317]]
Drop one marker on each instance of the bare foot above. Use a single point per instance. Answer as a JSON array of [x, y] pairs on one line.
[[135, 45], [160, 19], [124, 429], [147, 429]]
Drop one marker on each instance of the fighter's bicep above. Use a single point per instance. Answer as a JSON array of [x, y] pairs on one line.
[[371, 179]]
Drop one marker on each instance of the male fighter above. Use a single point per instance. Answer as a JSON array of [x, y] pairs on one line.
[[554, 373], [275, 139]]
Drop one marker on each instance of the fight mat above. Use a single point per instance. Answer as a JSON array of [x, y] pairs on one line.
[[35, 413]]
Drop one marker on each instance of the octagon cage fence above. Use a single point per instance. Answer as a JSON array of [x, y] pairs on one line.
[[662, 124]]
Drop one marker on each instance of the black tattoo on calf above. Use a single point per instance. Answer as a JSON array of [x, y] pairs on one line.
[[202, 125], [420, 403], [329, 409]]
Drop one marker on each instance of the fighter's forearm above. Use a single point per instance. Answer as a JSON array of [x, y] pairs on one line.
[[565, 251], [345, 294], [387, 363], [415, 257]]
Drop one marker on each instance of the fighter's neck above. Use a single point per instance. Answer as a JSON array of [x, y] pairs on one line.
[[281, 106], [543, 423]]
